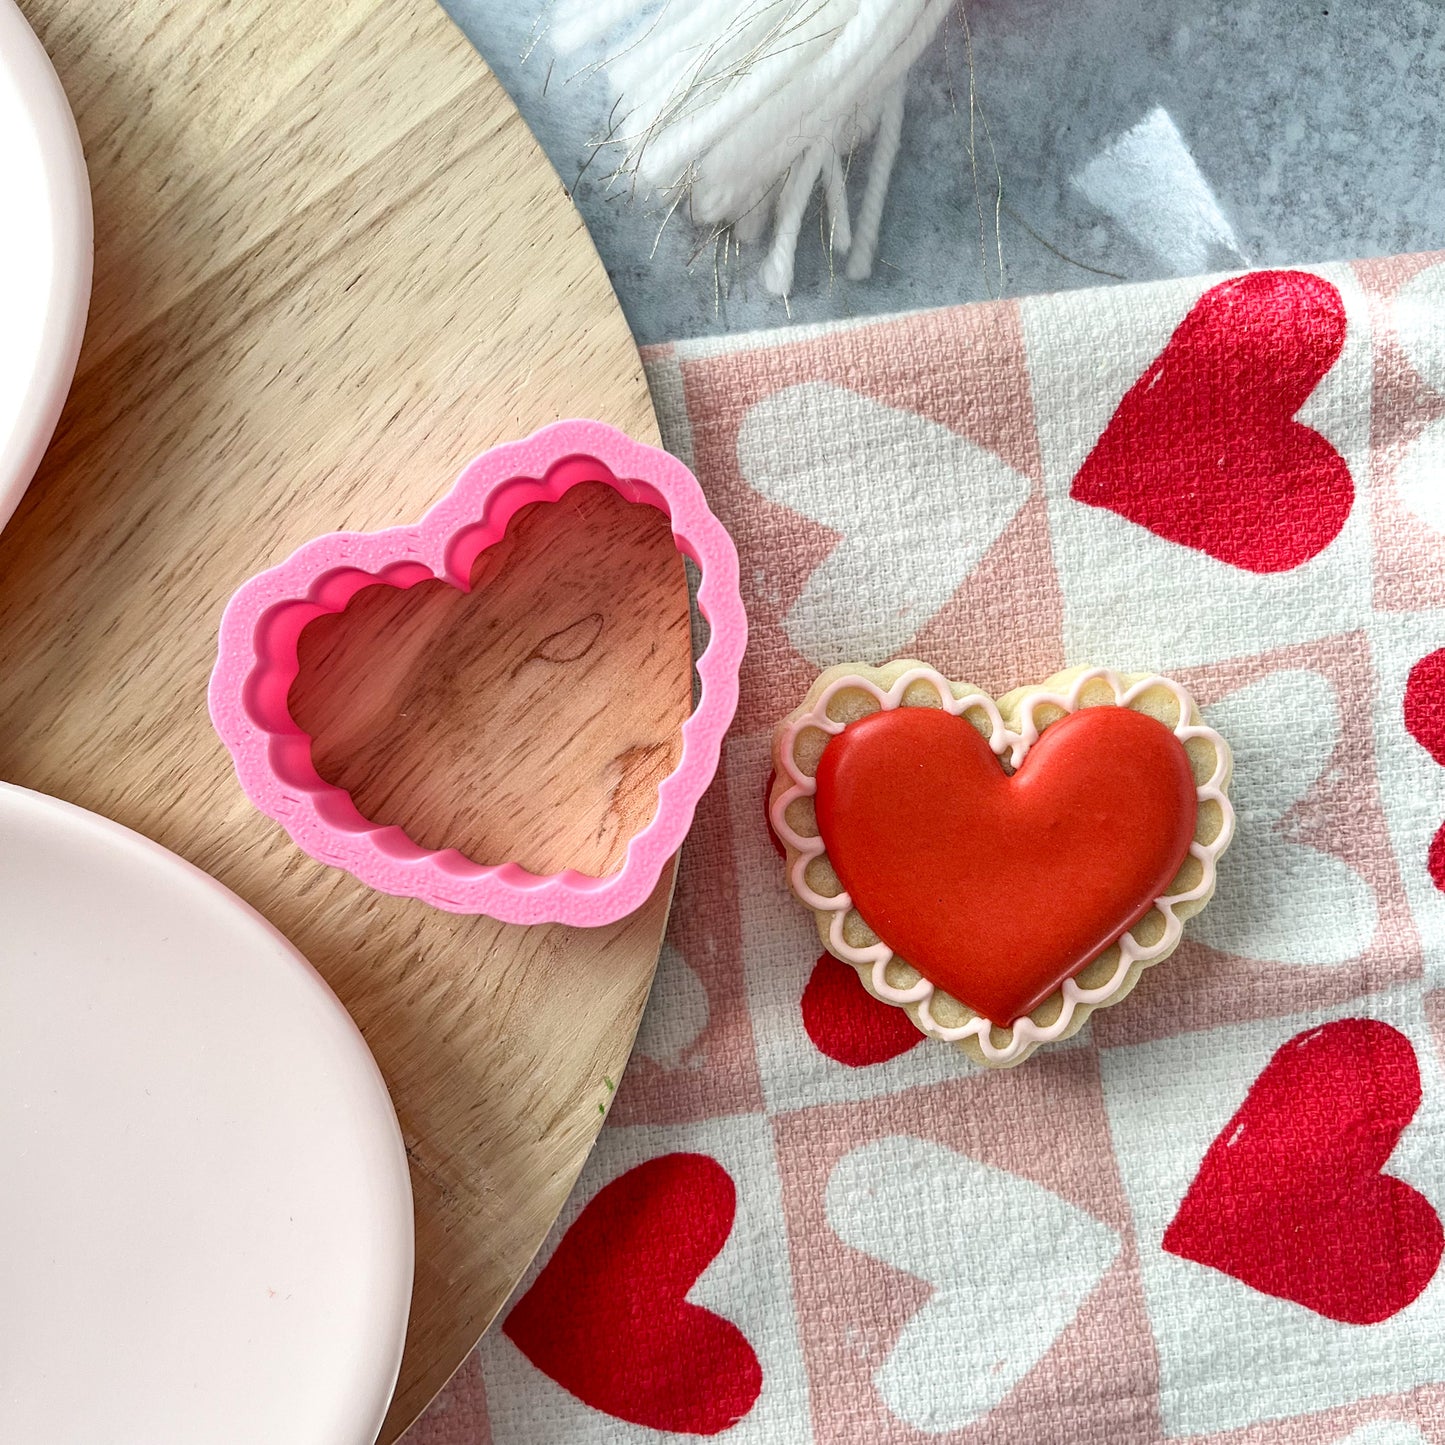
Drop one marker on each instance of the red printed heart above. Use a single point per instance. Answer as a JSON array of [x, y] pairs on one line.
[[1204, 449], [1290, 1198], [1425, 721], [847, 1023], [608, 1317], [997, 888]]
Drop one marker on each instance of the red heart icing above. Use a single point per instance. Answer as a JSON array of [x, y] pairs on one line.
[[1204, 449], [608, 1317], [847, 1023], [998, 888], [1290, 1199], [1425, 722]]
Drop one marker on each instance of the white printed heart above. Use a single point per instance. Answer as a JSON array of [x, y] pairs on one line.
[[1419, 316], [1279, 900], [1385, 1432], [1010, 1264], [1420, 477], [677, 1013], [893, 485]]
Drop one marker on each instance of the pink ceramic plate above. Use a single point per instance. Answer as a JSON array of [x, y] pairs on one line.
[[45, 253], [206, 1220]]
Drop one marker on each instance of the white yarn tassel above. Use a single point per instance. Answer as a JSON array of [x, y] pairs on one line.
[[575, 25], [745, 107], [776, 272], [880, 172]]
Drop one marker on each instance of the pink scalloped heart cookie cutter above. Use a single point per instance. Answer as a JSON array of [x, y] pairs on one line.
[[257, 663]]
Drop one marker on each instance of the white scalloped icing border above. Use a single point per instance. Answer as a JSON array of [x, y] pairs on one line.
[[872, 961]]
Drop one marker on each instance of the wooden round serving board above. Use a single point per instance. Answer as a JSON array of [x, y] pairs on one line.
[[331, 266]]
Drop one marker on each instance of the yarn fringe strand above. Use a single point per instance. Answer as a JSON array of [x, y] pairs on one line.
[[744, 108]]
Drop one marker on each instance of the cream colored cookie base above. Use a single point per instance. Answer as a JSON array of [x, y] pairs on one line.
[[1205, 756]]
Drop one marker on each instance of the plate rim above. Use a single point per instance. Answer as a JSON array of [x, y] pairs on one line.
[[24, 60], [402, 1247]]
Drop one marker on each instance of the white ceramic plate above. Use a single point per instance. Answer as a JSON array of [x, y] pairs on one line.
[[205, 1214], [45, 253]]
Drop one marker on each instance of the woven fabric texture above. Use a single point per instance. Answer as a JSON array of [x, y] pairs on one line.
[[1214, 1216]]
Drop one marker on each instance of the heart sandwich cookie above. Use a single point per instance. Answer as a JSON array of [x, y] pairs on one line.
[[999, 867]]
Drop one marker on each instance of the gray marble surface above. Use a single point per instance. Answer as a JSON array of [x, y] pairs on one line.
[[1315, 132]]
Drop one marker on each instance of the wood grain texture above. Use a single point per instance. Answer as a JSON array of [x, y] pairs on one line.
[[331, 266], [544, 650]]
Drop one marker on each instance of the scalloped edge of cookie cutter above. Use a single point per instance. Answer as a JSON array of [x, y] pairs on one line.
[[257, 663]]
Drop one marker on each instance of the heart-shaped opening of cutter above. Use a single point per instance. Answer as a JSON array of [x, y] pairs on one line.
[[529, 719]]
